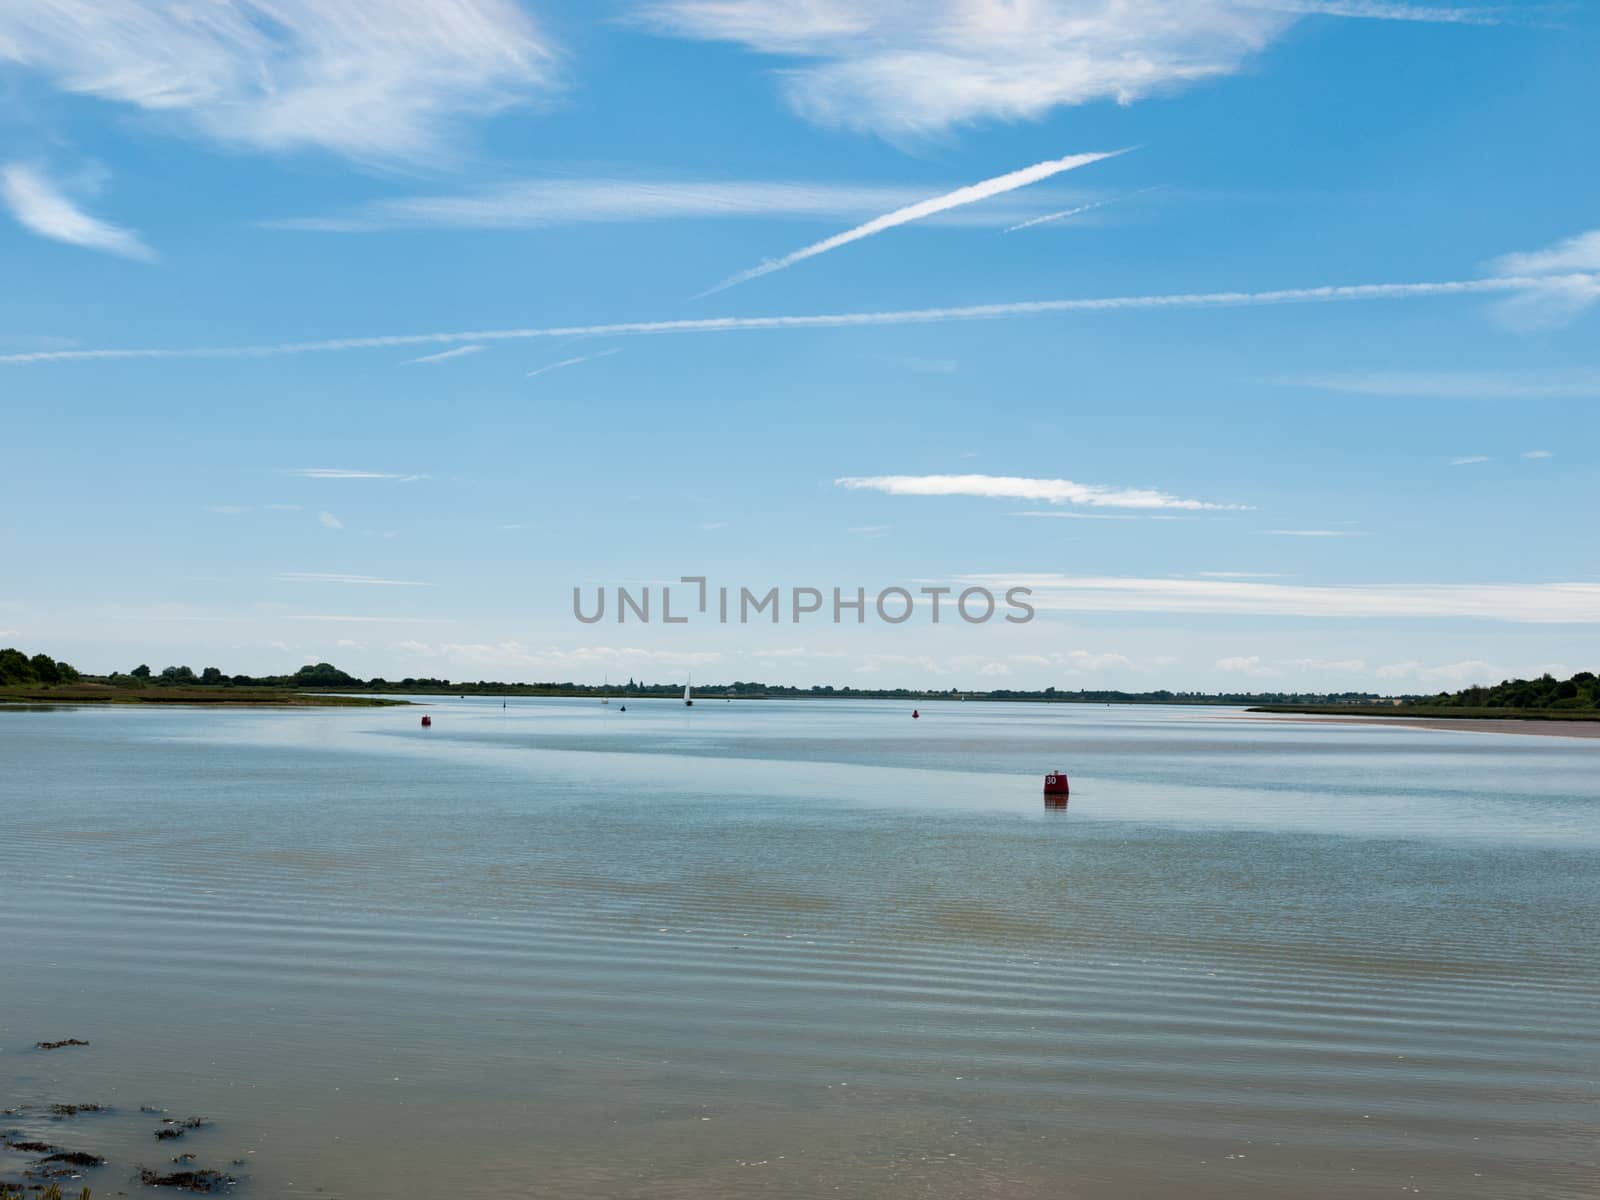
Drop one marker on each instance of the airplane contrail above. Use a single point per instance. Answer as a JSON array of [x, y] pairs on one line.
[[1072, 212], [572, 362], [970, 194], [1588, 282]]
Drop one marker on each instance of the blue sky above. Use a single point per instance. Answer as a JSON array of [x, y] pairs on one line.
[[415, 278]]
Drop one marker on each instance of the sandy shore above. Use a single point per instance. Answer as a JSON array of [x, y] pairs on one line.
[[1565, 729]]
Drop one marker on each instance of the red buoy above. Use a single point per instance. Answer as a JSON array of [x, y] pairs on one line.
[[915, 714], [427, 721], [1055, 784]]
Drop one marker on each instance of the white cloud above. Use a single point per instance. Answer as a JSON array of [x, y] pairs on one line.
[[973, 194], [375, 79], [893, 317], [337, 473], [904, 69], [444, 355], [1576, 254], [901, 69], [1537, 454], [39, 205], [1470, 460], [329, 520], [1054, 491], [1240, 575], [1570, 275], [324, 577], [1531, 603]]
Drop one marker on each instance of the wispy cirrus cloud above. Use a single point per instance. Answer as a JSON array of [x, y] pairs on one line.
[[520, 654], [1532, 384], [1469, 460], [1327, 294], [40, 206], [546, 203], [1384, 10], [1571, 274], [1014, 487], [329, 521], [1525, 603], [373, 79], [906, 70], [1535, 454], [1314, 533], [334, 577], [444, 355], [921, 210], [340, 473]]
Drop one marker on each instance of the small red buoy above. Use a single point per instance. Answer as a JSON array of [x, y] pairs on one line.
[[427, 722], [1055, 784], [915, 714]]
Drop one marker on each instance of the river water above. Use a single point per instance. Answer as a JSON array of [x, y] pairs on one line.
[[794, 949]]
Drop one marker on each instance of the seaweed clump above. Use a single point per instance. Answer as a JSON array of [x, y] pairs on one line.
[[188, 1181], [75, 1158], [60, 1044]]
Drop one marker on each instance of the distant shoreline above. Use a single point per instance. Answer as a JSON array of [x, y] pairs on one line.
[[198, 697]]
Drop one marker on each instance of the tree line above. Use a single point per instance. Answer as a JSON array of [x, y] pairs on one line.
[[1582, 691], [17, 667]]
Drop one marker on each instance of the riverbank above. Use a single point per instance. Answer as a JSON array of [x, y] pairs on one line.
[[212, 697]]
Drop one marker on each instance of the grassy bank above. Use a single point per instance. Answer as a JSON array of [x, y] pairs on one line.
[[91, 692]]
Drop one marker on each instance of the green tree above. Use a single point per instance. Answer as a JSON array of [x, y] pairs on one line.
[[44, 668], [14, 666], [140, 672], [211, 675]]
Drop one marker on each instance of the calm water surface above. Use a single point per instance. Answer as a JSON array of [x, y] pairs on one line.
[[787, 949]]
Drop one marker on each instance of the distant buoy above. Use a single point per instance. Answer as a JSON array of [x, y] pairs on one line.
[[1055, 784], [915, 714], [427, 722], [624, 708]]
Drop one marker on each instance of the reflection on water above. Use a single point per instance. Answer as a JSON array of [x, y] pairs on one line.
[[803, 949]]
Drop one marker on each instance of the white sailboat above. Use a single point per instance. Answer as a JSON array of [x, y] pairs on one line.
[[605, 691], [688, 700]]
